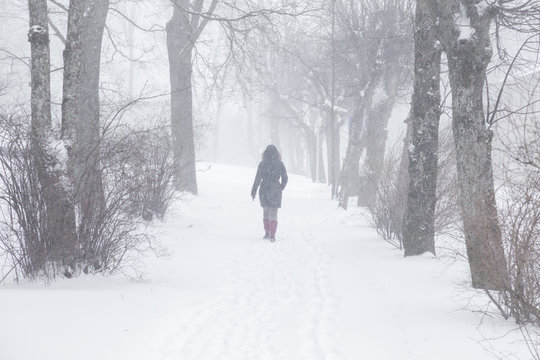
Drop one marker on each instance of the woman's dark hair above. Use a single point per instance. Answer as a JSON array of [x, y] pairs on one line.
[[271, 154]]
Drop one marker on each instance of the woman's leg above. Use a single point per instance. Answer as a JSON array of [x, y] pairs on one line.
[[272, 213], [266, 222]]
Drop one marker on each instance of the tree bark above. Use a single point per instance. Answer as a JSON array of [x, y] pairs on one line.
[[92, 198], [217, 125], [368, 130], [72, 64], [311, 141], [350, 180], [418, 229], [350, 171], [469, 52], [274, 105], [403, 177], [60, 220], [378, 114], [251, 134], [332, 151], [81, 111], [180, 48], [81, 132]]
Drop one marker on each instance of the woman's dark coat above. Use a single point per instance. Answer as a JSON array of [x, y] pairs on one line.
[[268, 176]]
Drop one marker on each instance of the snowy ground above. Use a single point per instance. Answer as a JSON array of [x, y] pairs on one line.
[[327, 289]]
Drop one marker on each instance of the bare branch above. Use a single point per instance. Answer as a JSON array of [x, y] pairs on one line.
[[59, 5], [56, 31]]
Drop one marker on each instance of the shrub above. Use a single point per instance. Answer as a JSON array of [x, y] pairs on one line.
[[391, 199], [134, 169], [520, 226]]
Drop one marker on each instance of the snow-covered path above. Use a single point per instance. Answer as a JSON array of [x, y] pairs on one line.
[[326, 289]]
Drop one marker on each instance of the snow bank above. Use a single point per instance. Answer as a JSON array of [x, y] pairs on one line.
[[327, 289]]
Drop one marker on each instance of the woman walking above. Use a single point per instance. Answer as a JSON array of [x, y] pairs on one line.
[[272, 177]]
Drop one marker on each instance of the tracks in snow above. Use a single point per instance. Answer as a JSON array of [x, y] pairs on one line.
[[319, 323], [242, 322]]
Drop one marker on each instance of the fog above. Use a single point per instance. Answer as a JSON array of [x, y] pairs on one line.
[[132, 131]]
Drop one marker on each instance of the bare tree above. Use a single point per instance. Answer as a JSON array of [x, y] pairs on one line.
[[465, 35], [418, 229], [519, 215], [60, 222], [80, 106], [372, 37], [183, 30]]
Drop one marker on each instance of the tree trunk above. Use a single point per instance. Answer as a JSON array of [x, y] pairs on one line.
[[350, 180], [180, 48], [332, 152], [311, 142], [89, 173], [252, 139], [418, 229], [217, 125], [300, 151], [368, 130], [403, 180], [275, 137], [38, 36], [289, 150], [60, 221], [469, 53], [72, 64], [321, 171], [350, 172], [81, 112], [378, 115]]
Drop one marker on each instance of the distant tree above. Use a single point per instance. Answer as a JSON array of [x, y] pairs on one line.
[[190, 17], [374, 56], [188, 21]]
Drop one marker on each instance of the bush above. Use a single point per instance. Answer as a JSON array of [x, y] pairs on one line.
[[387, 212], [22, 218], [520, 226], [147, 169], [134, 169], [391, 198]]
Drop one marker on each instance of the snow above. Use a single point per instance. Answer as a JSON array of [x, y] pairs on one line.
[[379, 95], [36, 29], [466, 31], [58, 149], [328, 288], [483, 6], [337, 108]]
